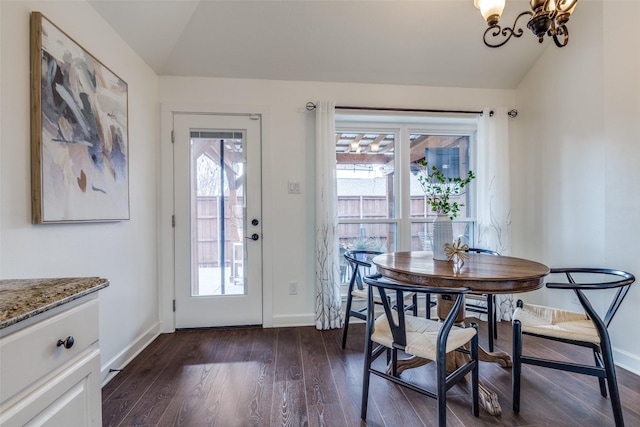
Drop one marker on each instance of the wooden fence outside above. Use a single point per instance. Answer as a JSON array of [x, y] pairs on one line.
[[350, 235]]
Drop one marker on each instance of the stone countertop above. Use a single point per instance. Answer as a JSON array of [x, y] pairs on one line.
[[21, 299]]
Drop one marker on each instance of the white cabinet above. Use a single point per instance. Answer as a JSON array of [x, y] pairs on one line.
[[46, 384]]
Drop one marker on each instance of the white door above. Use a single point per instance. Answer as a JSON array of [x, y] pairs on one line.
[[218, 224]]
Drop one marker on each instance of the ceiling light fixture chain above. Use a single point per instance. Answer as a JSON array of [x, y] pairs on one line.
[[547, 17]]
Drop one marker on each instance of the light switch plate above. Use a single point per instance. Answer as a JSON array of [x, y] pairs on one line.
[[294, 187]]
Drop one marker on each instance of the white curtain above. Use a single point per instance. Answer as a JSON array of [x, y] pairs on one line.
[[493, 191], [328, 300]]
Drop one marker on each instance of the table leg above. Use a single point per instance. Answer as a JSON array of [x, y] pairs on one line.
[[504, 359], [409, 363], [487, 397], [445, 304], [489, 400]]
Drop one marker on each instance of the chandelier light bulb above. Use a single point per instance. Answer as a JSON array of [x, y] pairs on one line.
[[491, 10], [551, 5]]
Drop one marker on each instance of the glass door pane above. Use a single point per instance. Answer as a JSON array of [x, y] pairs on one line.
[[218, 196]]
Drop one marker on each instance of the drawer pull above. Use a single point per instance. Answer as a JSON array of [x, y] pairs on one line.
[[67, 343]]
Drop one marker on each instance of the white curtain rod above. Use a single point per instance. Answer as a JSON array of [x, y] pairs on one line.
[[311, 106]]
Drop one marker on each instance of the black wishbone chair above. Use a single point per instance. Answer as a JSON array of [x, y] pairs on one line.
[[583, 329], [473, 304], [430, 339], [361, 259]]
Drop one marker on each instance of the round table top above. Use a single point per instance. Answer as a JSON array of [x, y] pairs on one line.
[[482, 273]]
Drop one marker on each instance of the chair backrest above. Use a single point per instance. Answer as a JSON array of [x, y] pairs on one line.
[[621, 280], [385, 287], [357, 259]]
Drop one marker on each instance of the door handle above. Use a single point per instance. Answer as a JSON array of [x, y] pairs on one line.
[[254, 236]]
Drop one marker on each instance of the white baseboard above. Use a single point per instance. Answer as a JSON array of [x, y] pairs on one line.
[[309, 319], [128, 353], [626, 360], [302, 319]]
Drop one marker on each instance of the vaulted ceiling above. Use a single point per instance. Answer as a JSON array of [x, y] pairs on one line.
[[418, 42]]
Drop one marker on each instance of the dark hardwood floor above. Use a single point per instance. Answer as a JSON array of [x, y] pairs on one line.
[[301, 377]]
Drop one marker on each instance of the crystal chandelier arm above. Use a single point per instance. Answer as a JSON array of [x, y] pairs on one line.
[[561, 31], [507, 32]]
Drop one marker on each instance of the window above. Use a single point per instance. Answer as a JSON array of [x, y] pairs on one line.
[[381, 205]]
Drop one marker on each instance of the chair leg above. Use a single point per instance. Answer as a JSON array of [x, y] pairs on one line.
[[491, 318], [394, 362], [475, 380], [415, 305], [345, 329], [598, 358], [610, 370], [366, 376], [442, 393], [495, 317], [365, 382], [428, 301], [516, 369]]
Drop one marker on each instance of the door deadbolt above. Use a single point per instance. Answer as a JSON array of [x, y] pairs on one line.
[[255, 222]]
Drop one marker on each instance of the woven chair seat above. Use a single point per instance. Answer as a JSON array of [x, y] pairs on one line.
[[476, 297], [364, 292], [556, 323], [422, 336]]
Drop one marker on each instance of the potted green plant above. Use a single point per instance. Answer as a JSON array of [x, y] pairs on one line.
[[440, 190], [441, 196]]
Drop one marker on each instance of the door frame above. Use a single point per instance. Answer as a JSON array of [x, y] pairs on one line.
[[166, 240]]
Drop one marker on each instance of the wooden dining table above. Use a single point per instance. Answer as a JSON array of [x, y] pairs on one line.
[[483, 274]]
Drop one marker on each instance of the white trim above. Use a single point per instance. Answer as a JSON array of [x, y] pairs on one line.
[[129, 353], [444, 121], [402, 126], [165, 231], [290, 320], [626, 360]]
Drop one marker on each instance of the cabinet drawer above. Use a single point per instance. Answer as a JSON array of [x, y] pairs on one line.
[[31, 353], [71, 399]]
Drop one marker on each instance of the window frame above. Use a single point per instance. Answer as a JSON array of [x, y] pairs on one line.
[[402, 127]]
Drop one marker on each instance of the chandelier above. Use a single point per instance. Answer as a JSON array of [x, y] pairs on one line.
[[547, 17]]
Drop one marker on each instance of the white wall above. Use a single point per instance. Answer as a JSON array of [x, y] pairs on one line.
[[124, 252], [576, 158], [1, 127], [289, 156], [622, 164]]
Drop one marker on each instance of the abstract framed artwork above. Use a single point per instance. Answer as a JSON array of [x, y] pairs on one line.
[[79, 132]]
